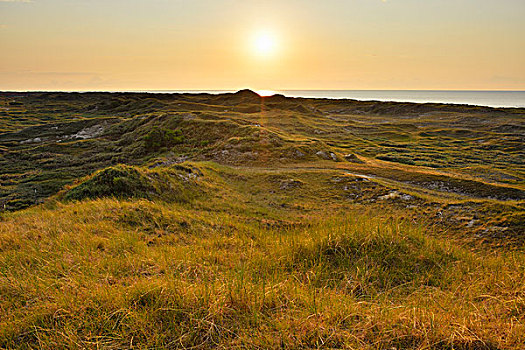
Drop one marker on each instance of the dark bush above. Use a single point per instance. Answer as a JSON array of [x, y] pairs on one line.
[[159, 138]]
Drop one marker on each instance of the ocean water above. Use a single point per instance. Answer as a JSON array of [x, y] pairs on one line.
[[478, 98]]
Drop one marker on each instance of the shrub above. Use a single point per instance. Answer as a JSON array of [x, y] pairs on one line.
[[159, 138]]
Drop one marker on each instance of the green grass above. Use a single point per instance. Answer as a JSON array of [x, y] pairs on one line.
[[138, 128]]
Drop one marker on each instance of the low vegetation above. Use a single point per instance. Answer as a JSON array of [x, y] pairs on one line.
[[161, 139], [118, 274], [202, 221], [121, 181]]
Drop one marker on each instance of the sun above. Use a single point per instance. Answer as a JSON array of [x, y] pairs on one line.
[[264, 44]]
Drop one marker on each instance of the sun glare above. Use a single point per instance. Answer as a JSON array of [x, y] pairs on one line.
[[264, 44], [266, 93]]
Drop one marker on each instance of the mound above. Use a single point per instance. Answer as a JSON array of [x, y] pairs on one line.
[[247, 93], [122, 181], [237, 98]]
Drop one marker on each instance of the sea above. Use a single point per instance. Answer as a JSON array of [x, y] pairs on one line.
[[478, 98]]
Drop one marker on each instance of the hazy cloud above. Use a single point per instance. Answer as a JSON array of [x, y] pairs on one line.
[[16, 0]]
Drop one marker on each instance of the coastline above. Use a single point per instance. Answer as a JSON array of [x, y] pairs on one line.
[[482, 98], [456, 98]]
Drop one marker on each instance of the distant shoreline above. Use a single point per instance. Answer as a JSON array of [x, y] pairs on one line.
[[484, 98]]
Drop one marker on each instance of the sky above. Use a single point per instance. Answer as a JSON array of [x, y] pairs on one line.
[[113, 45]]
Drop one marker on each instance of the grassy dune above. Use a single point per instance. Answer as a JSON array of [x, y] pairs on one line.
[[153, 221], [117, 274]]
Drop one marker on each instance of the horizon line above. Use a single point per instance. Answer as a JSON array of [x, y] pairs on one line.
[[255, 90]]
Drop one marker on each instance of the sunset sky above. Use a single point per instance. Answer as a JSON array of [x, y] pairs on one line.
[[275, 45]]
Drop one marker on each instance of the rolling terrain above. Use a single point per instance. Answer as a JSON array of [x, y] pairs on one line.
[[135, 220]]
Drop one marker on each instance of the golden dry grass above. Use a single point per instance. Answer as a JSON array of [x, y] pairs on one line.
[[123, 274]]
